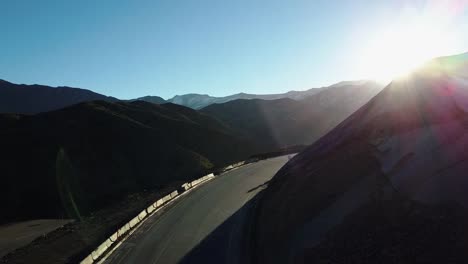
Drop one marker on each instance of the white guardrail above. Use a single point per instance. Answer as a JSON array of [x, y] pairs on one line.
[[122, 232]]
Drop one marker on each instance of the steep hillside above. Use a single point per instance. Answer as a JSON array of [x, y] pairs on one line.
[[285, 122], [77, 159], [388, 185], [31, 99]]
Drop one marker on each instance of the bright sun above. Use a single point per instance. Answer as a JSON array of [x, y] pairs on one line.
[[401, 47]]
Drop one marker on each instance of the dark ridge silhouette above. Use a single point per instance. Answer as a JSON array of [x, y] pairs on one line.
[[110, 150], [31, 99]]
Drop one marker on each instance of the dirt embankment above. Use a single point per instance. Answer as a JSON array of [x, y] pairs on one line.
[[72, 242]]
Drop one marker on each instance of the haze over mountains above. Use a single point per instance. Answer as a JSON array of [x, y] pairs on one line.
[[31, 99], [285, 122], [391, 178], [199, 101], [296, 118]]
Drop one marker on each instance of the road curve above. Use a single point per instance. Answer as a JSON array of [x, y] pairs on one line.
[[205, 225]]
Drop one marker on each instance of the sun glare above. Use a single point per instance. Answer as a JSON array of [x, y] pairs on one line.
[[406, 44]]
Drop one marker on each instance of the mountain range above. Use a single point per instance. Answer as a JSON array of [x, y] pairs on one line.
[[389, 177], [199, 101], [98, 149], [285, 122], [32, 99]]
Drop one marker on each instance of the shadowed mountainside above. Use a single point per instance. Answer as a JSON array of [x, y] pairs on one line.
[[395, 170], [286, 122], [83, 157], [31, 99]]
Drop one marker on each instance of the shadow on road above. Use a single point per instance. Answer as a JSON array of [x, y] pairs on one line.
[[229, 242], [259, 186]]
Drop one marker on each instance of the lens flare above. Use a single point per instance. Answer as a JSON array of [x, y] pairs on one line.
[[412, 39]]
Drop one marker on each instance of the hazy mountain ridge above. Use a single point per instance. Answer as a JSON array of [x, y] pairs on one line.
[[199, 101], [285, 122], [31, 99], [395, 170]]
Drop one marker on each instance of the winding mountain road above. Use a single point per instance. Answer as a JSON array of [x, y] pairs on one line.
[[207, 225]]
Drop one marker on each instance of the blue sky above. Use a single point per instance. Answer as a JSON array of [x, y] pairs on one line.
[[129, 49]]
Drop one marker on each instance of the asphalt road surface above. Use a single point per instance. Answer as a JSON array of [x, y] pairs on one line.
[[208, 225]]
